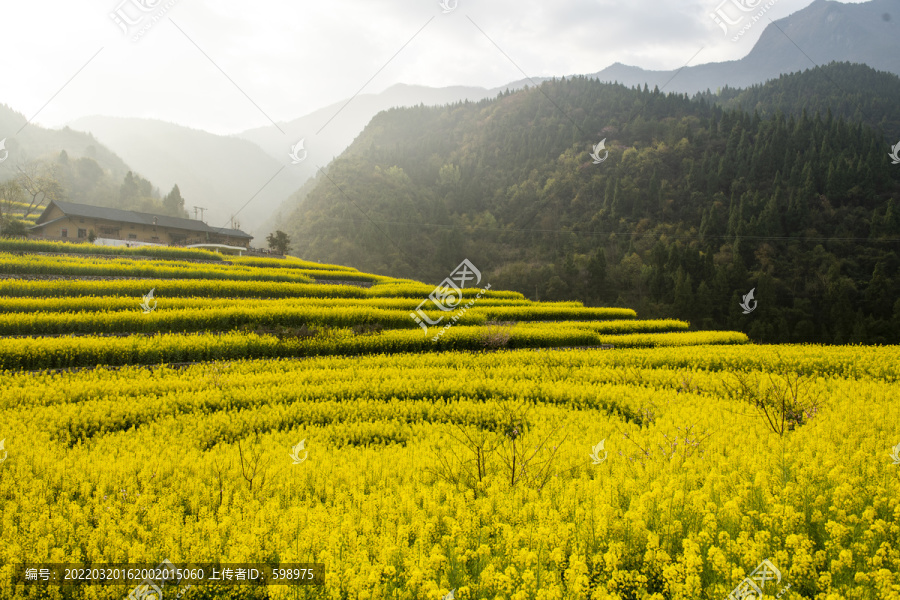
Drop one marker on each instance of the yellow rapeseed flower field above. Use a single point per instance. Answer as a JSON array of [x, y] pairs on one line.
[[531, 451], [693, 492]]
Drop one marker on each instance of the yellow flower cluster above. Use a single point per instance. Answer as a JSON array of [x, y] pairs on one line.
[[137, 465], [124, 303], [87, 265], [88, 350], [173, 288], [18, 245], [230, 288], [291, 314], [287, 262]]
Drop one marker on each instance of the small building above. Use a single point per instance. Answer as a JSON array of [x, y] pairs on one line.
[[70, 222]]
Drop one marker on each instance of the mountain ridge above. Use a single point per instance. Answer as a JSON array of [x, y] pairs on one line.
[[816, 28], [815, 33]]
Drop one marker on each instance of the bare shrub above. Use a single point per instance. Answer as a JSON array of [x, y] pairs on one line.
[[496, 334]]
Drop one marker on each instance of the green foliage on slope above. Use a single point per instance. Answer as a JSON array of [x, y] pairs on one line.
[[695, 205]]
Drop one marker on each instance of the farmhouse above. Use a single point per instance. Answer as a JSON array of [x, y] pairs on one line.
[[67, 221]]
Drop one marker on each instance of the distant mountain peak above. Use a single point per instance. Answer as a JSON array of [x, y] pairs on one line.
[[826, 31]]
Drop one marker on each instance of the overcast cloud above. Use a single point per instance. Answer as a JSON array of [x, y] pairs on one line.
[[287, 59]]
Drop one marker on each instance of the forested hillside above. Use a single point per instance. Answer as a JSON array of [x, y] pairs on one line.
[[696, 204], [856, 92]]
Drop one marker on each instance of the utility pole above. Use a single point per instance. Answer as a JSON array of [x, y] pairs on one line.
[[201, 209]]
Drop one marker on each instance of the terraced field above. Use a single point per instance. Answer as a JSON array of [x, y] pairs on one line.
[[530, 451]]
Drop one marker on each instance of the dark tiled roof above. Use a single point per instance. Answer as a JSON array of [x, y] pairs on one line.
[[129, 216]]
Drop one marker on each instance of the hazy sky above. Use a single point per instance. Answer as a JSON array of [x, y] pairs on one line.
[[226, 66]]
